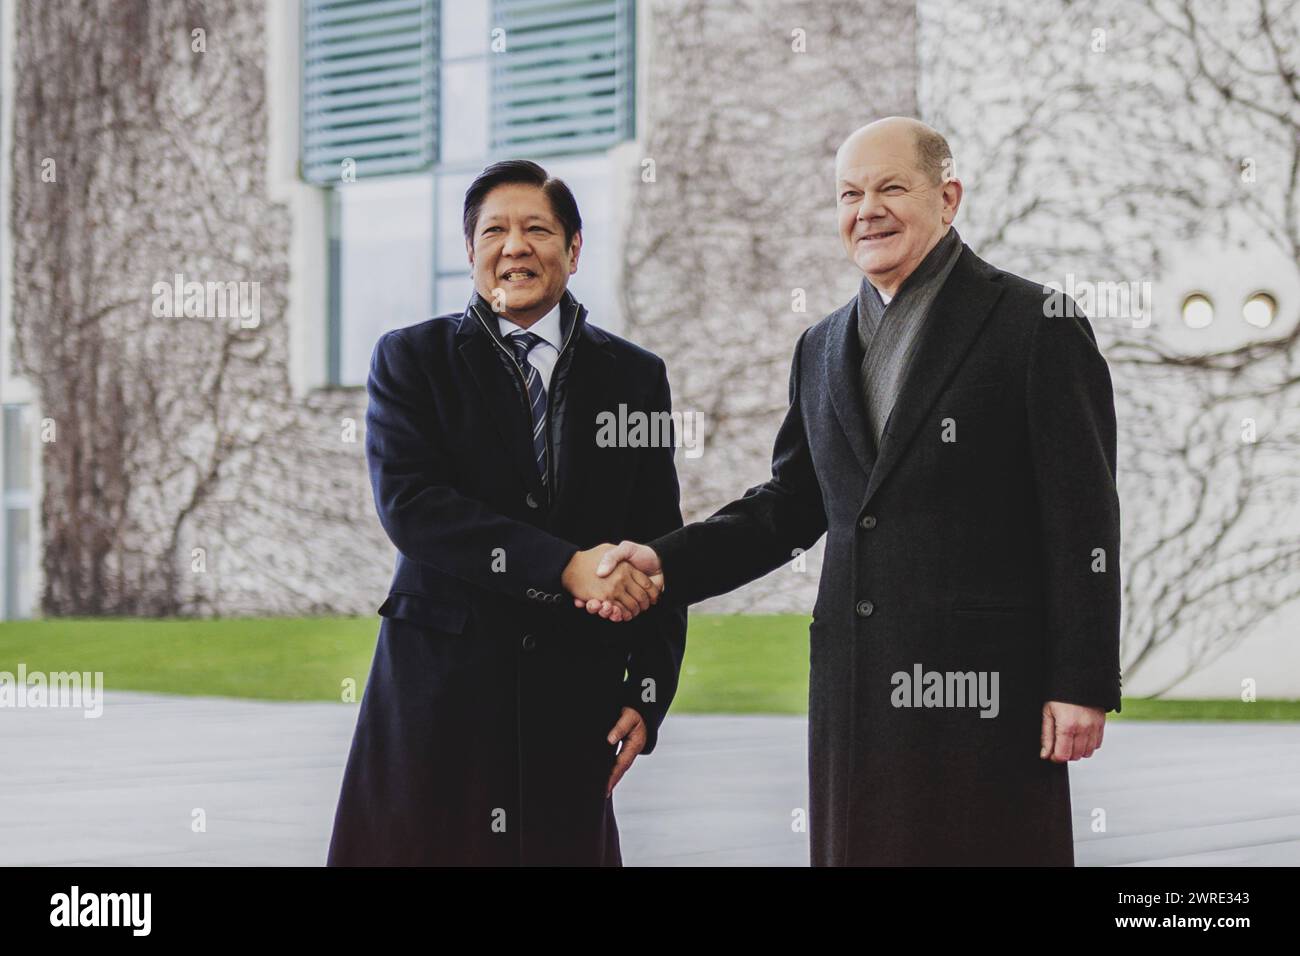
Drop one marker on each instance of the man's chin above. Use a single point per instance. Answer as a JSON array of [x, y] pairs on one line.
[[875, 267], [519, 301]]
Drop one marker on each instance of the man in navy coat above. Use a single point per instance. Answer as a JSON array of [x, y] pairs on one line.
[[952, 432], [498, 718]]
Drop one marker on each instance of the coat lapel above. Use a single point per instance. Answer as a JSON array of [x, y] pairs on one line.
[[501, 394], [578, 399], [585, 391], [843, 378], [956, 317]]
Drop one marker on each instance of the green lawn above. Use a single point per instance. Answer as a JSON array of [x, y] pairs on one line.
[[735, 664]]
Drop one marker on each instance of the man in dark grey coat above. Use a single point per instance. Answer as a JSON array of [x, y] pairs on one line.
[[952, 430]]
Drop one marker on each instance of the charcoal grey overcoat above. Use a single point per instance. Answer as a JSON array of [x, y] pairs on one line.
[[982, 538]]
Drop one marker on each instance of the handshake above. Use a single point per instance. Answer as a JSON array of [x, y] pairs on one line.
[[617, 582]]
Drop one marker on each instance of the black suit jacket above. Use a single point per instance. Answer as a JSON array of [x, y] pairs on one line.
[[490, 695]]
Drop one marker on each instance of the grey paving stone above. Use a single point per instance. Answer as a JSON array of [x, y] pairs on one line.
[[719, 791]]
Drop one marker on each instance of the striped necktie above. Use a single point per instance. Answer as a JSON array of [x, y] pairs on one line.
[[522, 343]]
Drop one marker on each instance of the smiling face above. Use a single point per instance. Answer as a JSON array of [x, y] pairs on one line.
[[890, 213], [518, 248]]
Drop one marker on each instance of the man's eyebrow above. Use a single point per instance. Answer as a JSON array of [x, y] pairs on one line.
[[876, 179], [529, 218], [894, 174]]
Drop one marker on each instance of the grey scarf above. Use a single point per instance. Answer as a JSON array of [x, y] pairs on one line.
[[889, 333]]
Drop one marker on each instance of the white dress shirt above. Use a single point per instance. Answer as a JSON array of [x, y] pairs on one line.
[[546, 353]]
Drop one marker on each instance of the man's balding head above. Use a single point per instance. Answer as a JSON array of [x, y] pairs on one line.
[[895, 185], [933, 156]]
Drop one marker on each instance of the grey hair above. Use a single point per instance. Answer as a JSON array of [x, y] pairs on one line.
[[934, 158]]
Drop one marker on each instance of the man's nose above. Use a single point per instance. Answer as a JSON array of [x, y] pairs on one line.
[[870, 208], [516, 244]]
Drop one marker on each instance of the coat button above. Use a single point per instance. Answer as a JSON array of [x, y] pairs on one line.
[[865, 608], [529, 642], [868, 522], [531, 501]]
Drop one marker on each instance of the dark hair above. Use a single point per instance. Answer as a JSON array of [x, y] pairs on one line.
[[563, 205]]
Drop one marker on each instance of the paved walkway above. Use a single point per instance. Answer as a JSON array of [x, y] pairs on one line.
[[121, 789]]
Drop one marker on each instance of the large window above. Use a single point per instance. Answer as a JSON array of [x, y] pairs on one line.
[[17, 471], [381, 243], [405, 101], [17, 444], [368, 87]]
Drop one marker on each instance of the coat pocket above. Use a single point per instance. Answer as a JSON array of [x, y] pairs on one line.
[[995, 610], [425, 610]]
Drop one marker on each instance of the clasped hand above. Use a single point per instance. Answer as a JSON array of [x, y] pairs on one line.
[[628, 561], [1069, 731], [606, 581]]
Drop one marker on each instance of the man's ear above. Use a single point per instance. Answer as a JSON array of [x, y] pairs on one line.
[[575, 248], [952, 193], [469, 251]]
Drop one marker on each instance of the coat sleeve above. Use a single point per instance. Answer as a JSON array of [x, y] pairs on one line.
[[756, 533], [1072, 437], [424, 515], [659, 639]]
